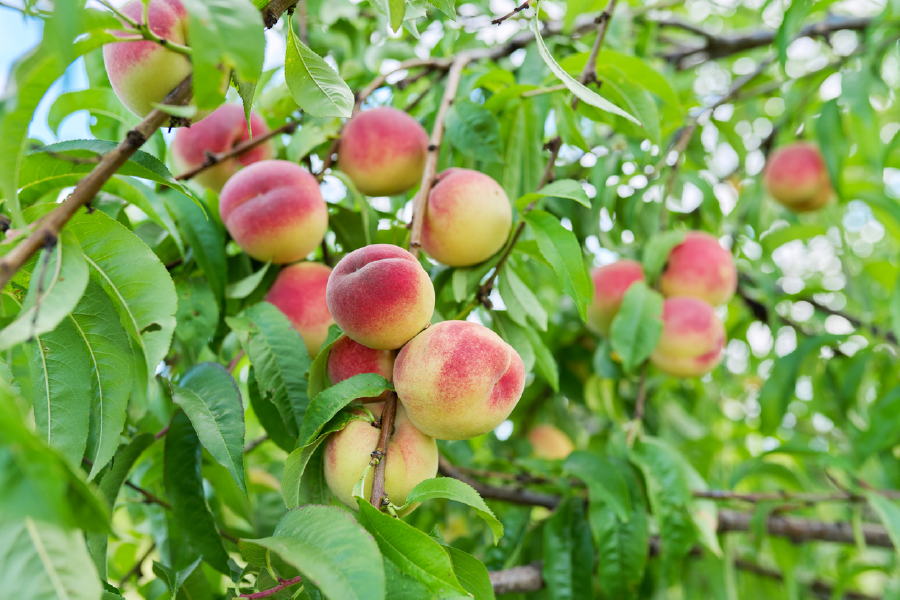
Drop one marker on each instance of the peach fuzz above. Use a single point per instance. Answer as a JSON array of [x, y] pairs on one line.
[[467, 220], [383, 151], [796, 176], [143, 73], [701, 268], [610, 284], [692, 339], [299, 292], [274, 211], [380, 296], [548, 442], [458, 380], [224, 129], [349, 358], [412, 457]]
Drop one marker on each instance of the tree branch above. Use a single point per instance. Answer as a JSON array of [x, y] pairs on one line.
[[283, 584], [512, 13], [272, 11], [379, 456]]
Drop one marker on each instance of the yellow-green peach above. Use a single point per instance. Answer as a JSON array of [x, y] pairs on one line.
[[701, 268], [380, 296], [692, 339], [383, 151], [610, 284], [299, 292], [467, 220], [412, 457], [274, 211], [796, 176], [349, 358], [548, 442], [458, 380], [224, 129]]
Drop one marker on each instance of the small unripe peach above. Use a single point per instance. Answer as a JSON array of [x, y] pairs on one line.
[[796, 176], [274, 211], [610, 284], [349, 358], [380, 296], [692, 339], [299, 292], [412, 457], [467, 220], [224, 129], [143, 73], [549, 442], [383, 151], [701, 268], [458, 380]]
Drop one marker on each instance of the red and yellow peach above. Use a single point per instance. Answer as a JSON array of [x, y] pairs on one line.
[[610, 284], [549, 443], [349, 358], [796, 176], [299, 292], [701, 268], [692, 339]]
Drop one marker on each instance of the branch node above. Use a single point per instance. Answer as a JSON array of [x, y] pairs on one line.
[[135, 138], [432, 147]]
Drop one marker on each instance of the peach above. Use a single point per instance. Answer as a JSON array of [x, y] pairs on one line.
[[299, 292], [796, 176], [692, 338], [412, 457], [143, 73], [467, 220], [383, 151], [549, 442], [225, 128], [610, 284], [380, 296], [701, 268], [349, 358], [274, 211], [458, 380]]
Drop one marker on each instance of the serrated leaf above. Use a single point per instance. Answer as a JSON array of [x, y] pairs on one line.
[[636, 328], [184, 488], [61, 274], [472, 574], [445, 6], [459, 491], [327, 404], [294, 467], [316, 88], [568, 553], [473, 130], [605, 483], [247, 285], [211, 399]]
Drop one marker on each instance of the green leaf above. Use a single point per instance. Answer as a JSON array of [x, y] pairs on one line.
[[448, 7], [472, 574], [561, 249], [316, 88], [396, 12], [459, 491], [636, 328], [98, 101], [225, 35], [775, 239], [112, 372], [513, 288], [605, 483], [268, 416], [515, 336], [327, 404], [329, 549], [657, 250], [60, 276], [577, 88], [318, 371], [184, 488], [641, 73], [60, 371], [543, 358], [889, 513], [566, 123], [198, 313], [138, 283], [413, 552], [247, 285], [109, 487], [523, 160], [832, 139], [294, 467], [40, 561], [211, 399], [568, 553], [636, 98], [473, 130], [206, 239], [174, 578]]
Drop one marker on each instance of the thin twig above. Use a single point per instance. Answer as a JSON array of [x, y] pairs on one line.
[[285, 583], [234, 361], [512, 13], [379, 456], [637, 421], [136, 569], [329, 158], [253, 445], [143, 28]]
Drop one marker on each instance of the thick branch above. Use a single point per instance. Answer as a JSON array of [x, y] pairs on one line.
[[272, 11]]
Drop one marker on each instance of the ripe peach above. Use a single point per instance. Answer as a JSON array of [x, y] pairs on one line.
[[458, 380], [412, 457], [692, 338], [610, 284], [796, 176], [549, 442], [349, 358], [225, 128], [701, 268], [143, 73], [274, 211], [383, 151], [299, 292], [380, 296], [467, 219]]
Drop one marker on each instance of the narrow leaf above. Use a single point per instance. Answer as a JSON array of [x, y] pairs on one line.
[[454, 489], [316, 88]]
